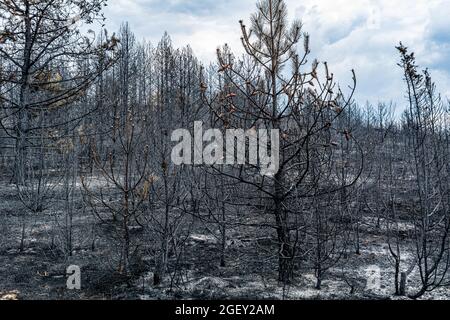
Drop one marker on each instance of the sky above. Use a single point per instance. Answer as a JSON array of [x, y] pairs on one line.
[[359, 35]]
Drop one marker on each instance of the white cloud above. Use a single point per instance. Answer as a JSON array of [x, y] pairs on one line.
[[360, 35]]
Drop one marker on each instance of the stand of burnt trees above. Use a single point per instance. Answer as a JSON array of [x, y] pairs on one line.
[[88, 121]]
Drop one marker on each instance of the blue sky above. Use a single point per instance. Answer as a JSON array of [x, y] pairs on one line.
[[361, 34]]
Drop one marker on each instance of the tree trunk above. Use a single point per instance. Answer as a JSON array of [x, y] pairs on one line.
[[285, 253], [402, 289]]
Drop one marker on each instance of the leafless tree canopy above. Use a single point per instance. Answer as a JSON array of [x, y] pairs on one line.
[[87, 176]]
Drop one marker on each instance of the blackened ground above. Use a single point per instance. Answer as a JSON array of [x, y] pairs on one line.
[[38, 272]]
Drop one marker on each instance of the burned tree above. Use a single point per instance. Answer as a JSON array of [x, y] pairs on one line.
[[426, 129], [270, 90], [48, 64]]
